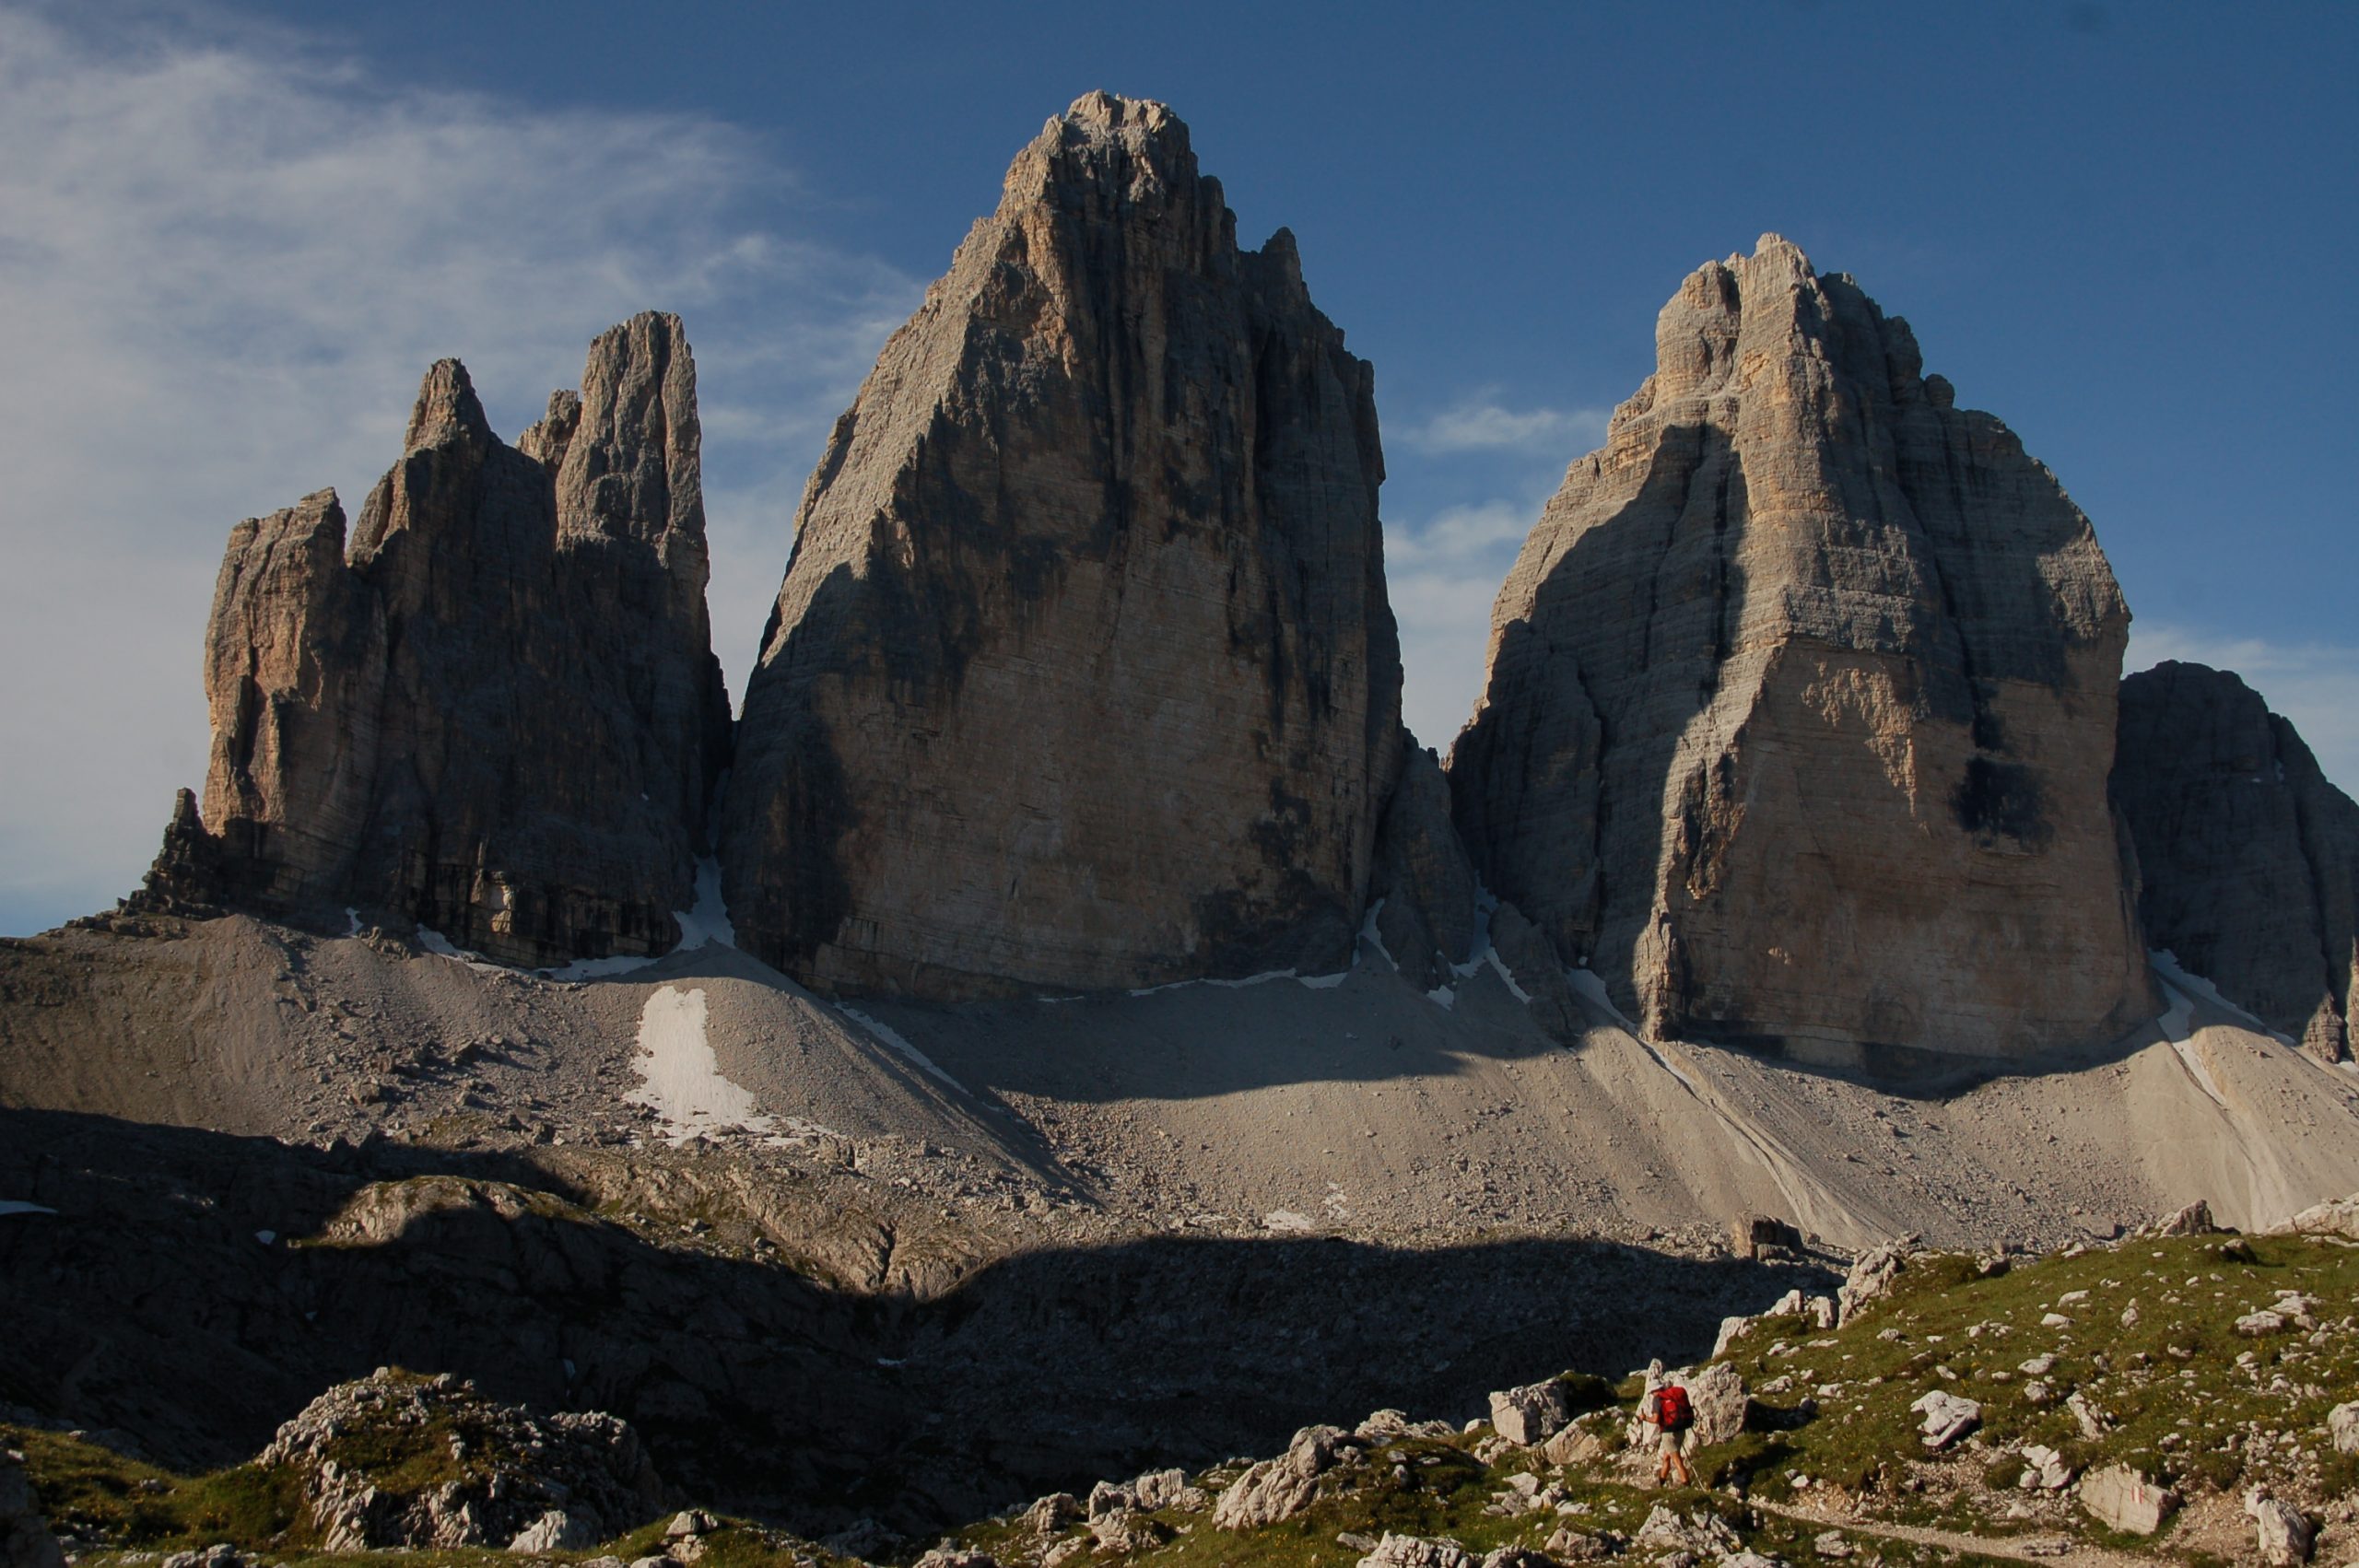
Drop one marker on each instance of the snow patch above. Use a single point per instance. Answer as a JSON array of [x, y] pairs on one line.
[[1371, 937], [706, 925], [683, 1080], [2175, 1024], [16, 1206], [892, 1038], [1443, 997], [1323, 982], [441, 946], [351, 920], [2175, 977], [1491, 956], [1590, 986]]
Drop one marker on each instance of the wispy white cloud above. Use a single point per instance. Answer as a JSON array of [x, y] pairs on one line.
[[225, 261], [1482, 424], [1442, 574], [2314, 684]]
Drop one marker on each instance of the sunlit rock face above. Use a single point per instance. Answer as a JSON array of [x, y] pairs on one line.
[[1082, 673], [494, 711], [1801, 701], [2249, 855]]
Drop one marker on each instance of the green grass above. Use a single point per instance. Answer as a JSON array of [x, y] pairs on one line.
[[96, 1495]]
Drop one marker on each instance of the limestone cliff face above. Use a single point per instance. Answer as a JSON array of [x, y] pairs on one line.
[[1801, 701], [496, 711], [2251, 857], [1082, 674]]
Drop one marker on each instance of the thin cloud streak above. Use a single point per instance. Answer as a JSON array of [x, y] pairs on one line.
[[1483, 425], [226, 267]]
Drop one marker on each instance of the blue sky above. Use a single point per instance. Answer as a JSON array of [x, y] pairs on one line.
[[231, 238]]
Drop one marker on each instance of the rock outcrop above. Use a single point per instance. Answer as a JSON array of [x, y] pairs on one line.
[[1801, 701], [400, 1461], [2250, 857], [24, 1541], [494, 709], [1082, 674]]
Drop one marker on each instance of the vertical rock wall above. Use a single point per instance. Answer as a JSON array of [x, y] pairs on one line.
[[2251, 857], [497, 712], [1082, 673], [1801, 701]]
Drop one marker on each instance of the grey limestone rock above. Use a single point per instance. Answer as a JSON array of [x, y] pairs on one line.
[[1281, 1488], [1082, 675], [1798, 708], [2127, 1500], [25, 1540], [2248, 855], [494, 708], [1533, 1413]]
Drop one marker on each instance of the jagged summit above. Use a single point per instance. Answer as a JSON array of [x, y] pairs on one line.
[[497, 712], [1082, 674], [1800, 700]]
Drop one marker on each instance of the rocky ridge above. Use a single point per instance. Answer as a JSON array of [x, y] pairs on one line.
[[1800, 698], [494, 711], [2251, 857], [1082, 676]]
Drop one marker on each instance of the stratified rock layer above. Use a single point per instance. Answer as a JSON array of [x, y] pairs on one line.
[[2251, 858], [1801, 701], [1082, 674], [496, 713]]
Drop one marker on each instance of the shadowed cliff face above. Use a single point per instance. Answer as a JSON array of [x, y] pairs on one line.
[[1801, 701], [1082, 674], [498, 713], [2250, 857]]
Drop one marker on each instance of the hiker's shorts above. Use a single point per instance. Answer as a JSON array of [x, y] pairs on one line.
[[1669, 1442]]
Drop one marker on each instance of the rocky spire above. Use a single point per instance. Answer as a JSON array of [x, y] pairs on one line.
[[497, 712], [1800, 700], [2249, 855], [1082, 674]]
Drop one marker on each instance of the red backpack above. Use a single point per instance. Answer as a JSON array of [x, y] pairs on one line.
[[1673, 1409]]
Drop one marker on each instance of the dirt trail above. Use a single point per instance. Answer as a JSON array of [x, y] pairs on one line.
[[2016, 1548]]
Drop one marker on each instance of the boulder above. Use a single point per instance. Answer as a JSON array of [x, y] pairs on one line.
[[2337, 1217], [1798, 715], [1415, 1551], [1706, 1535], [1281, 1488], [2284, 1537], [1082, 674], [2043, 1470], [2195, 1219], [556, 1530], [2343, 1425], [2122, 1499], [1754, 1234], [1948, 1417], [1533, 1413], [24, 1541], [1718, 1396], [2248, 854], [494, 711], [1871, 1274]]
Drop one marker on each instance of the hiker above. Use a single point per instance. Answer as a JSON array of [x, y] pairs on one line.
[[1667, 1409]]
